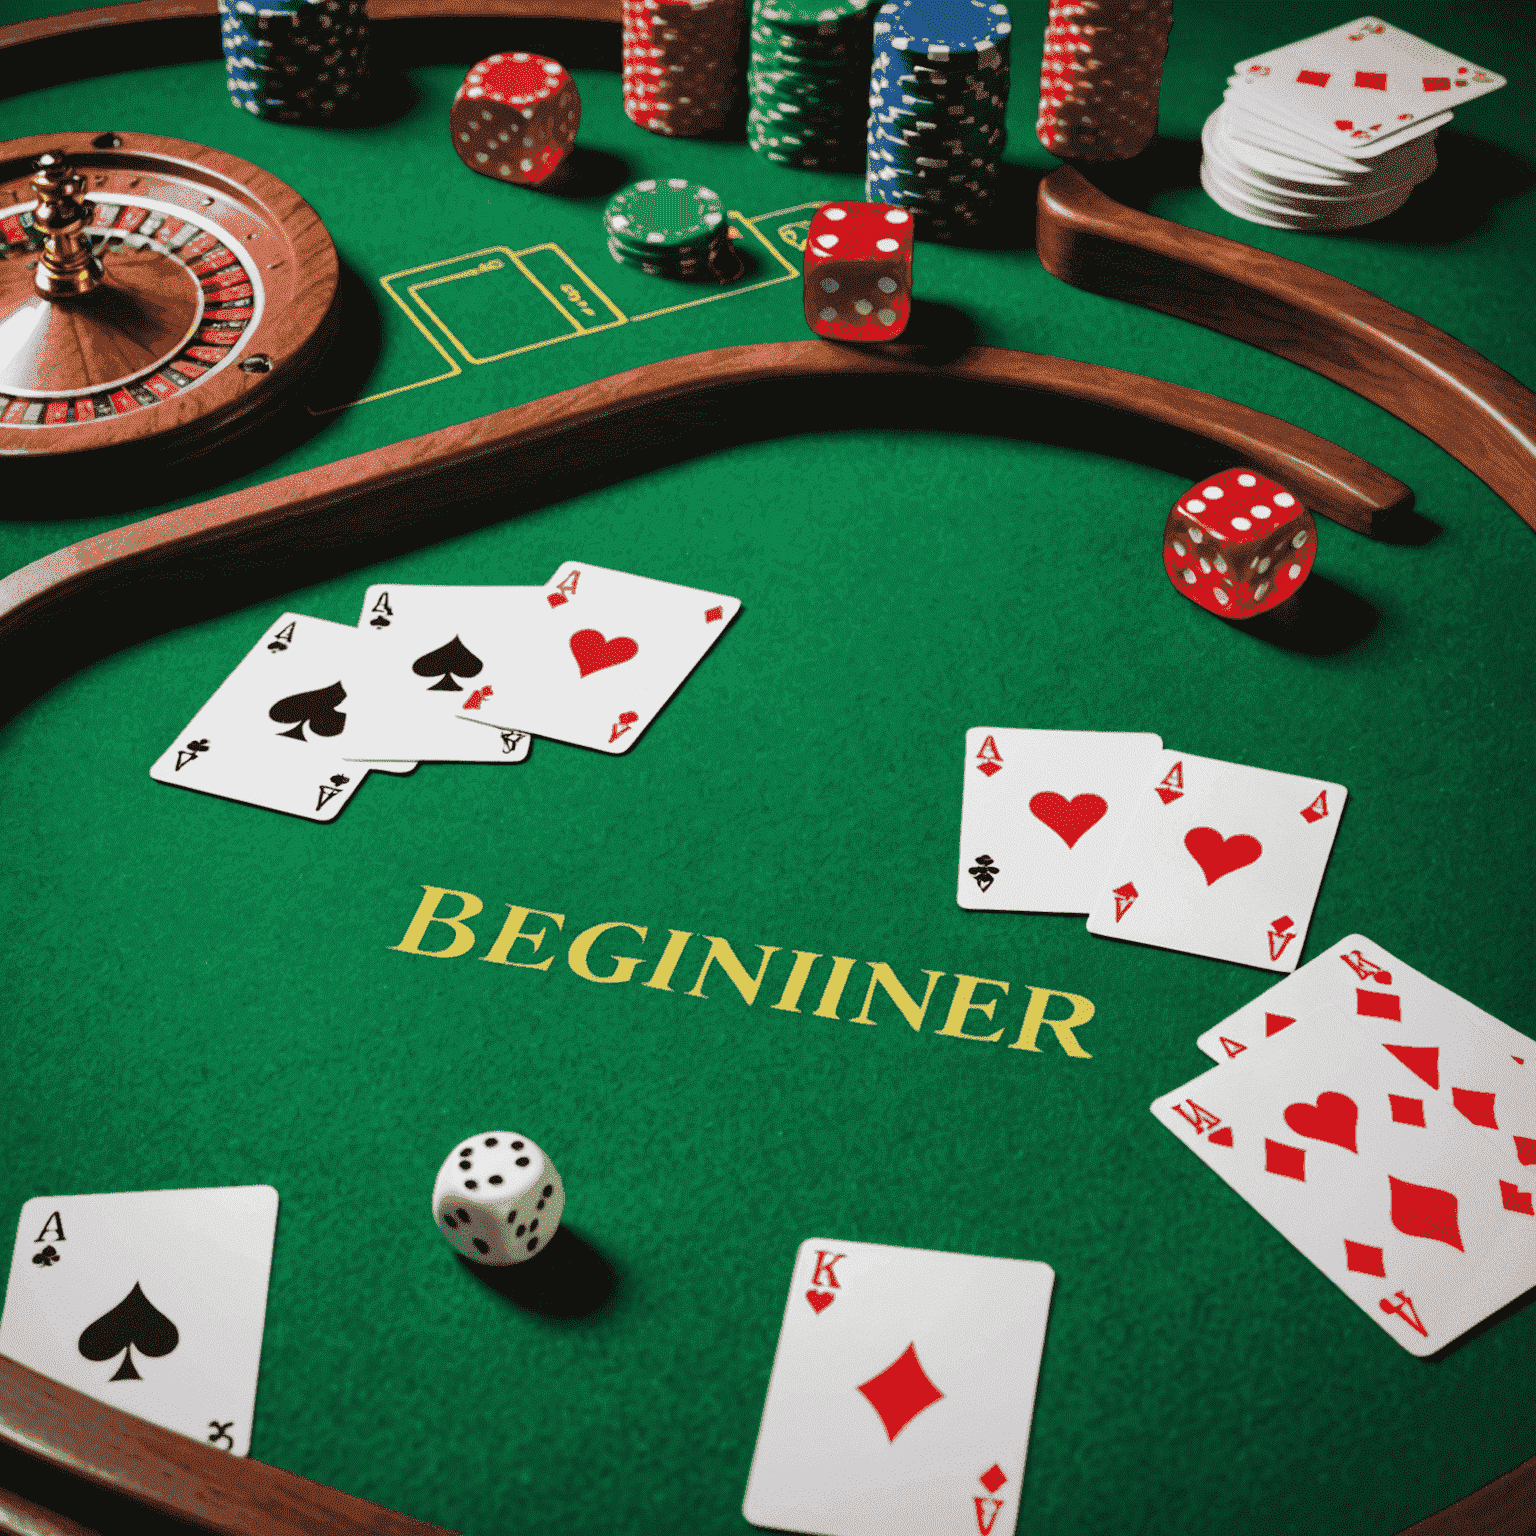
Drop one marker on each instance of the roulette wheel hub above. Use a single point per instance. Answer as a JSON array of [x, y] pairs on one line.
[[156, 296], [72, 324]]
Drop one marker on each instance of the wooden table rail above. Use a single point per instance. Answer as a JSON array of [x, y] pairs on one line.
[[1479, 414]]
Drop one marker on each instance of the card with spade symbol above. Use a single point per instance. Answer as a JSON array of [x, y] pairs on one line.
[[1041, 813], [901, 1394], [429, 652], [596, 657], [1220, 859], [153, 1301], [277, 730], [1395, 1154]]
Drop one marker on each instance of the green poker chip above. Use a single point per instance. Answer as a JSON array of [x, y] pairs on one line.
[[814, 14], [664, 217]]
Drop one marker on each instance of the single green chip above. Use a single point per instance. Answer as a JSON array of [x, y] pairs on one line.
[[665, 215]]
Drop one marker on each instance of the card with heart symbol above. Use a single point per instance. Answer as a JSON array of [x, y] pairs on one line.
[[1396, 1154], [152, 1301], [595, 655], [901, 1394], [1041, 813], [1220, 859]]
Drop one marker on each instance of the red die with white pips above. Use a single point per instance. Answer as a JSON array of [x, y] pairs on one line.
[[515, 117], [858, 271], [1238, 544]]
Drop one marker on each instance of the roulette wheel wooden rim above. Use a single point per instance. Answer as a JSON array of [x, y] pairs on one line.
[[284, 251]]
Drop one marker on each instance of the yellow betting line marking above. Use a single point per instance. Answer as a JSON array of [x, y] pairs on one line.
[[414, 300]]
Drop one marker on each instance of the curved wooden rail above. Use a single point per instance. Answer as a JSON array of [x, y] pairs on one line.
[[170, 1473], [783, 384], [1478, 413]]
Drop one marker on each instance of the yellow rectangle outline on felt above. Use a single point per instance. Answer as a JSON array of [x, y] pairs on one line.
[[577, 328], [620, 318], [790, 270]]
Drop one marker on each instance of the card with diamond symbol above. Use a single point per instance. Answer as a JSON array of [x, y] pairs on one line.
[[901, 1393]]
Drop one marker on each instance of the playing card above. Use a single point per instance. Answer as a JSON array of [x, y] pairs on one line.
[[901, 1393], [1220, 860], [153, 1302], [1246, 119], [427, 649], [275, 732], [595, 658], [1273, 161], [1352, 85], [1282, 210], [1398, 1158], [1042, 811], [1358, 979]]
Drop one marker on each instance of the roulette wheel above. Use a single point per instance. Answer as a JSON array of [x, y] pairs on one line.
[[155, 295]]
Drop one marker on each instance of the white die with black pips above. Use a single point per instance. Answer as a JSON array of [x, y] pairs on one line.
[[498, 1198]]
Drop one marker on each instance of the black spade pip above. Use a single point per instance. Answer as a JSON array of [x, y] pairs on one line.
[[133, 1324], [445, 662], [316, 709]]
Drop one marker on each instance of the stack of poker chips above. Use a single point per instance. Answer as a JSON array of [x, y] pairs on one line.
[[294, 61], [938, 97], [681, 64], [670, 228], [806, 74], [1100, 74]]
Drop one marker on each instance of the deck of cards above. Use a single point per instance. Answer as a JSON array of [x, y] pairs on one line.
[[1386, 1128], [1155, 846], [443, 674], [901, 1394], [154, 1302], [1334, 131]]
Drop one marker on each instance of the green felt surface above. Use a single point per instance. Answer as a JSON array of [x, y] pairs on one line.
[[202, 993]]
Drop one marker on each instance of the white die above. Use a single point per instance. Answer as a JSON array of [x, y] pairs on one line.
[[498, 1198]]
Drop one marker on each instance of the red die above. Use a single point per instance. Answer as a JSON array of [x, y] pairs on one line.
[[515, 117], [1238, 544], [858, 271]]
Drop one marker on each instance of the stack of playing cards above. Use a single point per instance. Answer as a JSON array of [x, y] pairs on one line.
[[1156, 846], [1385, 1127], [1334, 131], [443, 674]]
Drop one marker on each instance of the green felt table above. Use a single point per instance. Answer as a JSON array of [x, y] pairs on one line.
[[201, 993]]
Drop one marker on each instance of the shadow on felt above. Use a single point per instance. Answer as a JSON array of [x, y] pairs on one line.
[[570, 1279], [587, 173], [1322, 619], [1493, 1320], [1474, 177]]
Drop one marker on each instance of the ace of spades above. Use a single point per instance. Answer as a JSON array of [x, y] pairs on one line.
[[153, 1302]]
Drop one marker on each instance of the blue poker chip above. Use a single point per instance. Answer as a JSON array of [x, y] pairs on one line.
[[941, 30], [938, 93]]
